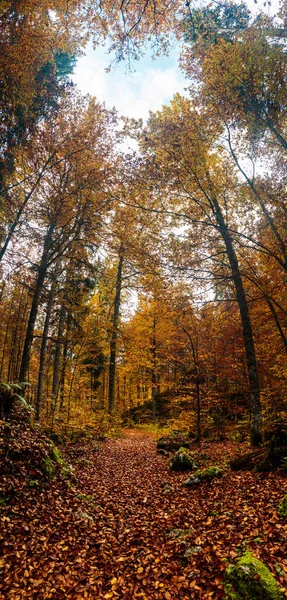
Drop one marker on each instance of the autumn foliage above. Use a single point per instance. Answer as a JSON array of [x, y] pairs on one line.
[[141, 288]]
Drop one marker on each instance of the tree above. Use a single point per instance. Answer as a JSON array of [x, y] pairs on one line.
[[114, 332], [194, 181], [71, 201]]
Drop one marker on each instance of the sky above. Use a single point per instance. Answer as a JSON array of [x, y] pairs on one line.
[[152, 84]]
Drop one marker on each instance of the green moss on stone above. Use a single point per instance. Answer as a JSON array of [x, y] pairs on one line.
[[203, 475], [182, 460], [250, 579], [282, 509], [48, 468], [55, 454], [211, 472]]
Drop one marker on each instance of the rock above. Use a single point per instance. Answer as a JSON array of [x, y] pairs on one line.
[[192, 550], [182, 460], [180, 534], [205, 475], [167, 488], [167, 491], [170, 443], [85, 516], [282, 508], [250, 578]]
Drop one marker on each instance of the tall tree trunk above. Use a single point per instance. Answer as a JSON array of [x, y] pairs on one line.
[[13, 353], [43, 352], [113, 344], [153, 372], [63, 375], [5, 341], [254, 384], [57, 357], [197, 385], [35, 303]]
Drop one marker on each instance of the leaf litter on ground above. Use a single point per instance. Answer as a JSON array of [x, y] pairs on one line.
[[114, 534]]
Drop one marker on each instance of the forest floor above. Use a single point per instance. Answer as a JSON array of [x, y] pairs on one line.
[[117, 534]]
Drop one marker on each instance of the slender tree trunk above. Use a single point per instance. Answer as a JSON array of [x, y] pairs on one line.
[[113, 344], [5, 341], [276, 319], [34, 308], [197, 386], [21, 336], [13, 352], [63, 375], [57, 357], [153, 372], [254, 384], [43, 352]]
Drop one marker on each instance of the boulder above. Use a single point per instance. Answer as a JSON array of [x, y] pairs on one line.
[[182, 460], [204, 475], [250, 578]]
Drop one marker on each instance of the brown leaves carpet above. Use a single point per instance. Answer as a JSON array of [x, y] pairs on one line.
[[121, 534]]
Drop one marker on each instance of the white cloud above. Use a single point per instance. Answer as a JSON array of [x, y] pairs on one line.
[[134, 94]]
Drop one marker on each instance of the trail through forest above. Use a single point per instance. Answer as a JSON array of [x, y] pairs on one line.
[[128, 534]]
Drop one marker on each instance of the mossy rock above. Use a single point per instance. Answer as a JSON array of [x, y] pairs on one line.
[[55, 455], [53, 460], [182, 460], [203, 475], [282, 508], [250, 579], [48, 467]]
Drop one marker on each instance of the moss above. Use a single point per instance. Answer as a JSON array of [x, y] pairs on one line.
[[282, 508], [210, 472], [250, 579], [182, 460], [86, 497], [48, 468], [55, 455], [203, 475]]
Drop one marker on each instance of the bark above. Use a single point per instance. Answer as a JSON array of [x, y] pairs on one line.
[[12, 371], [35, 304], [197, 386], [57, 357], [43, 352], [5, 341], [254, 384], [113, 344], [153, 373]]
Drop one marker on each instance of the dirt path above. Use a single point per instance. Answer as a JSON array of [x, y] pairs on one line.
[[123, 536]]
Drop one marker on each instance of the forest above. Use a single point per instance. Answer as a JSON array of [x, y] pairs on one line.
[[143, 307]]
